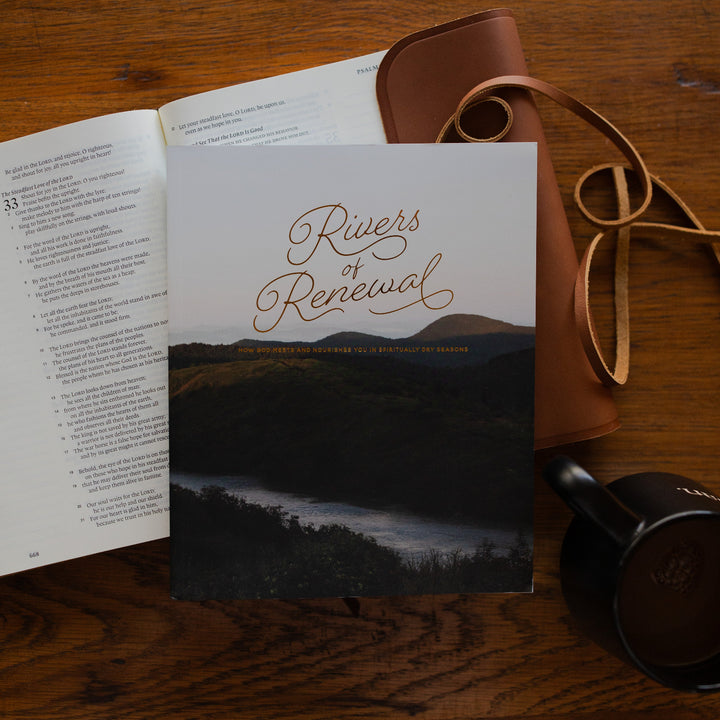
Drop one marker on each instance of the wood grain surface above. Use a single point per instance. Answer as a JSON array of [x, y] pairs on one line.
[[100, 638]]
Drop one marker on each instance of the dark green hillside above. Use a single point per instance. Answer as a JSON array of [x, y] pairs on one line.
[[180, 356], [375, 431]]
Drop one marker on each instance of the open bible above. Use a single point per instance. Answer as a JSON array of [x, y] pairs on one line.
[[83, 301]]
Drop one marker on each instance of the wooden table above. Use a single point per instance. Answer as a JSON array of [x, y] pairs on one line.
[[99, 637]]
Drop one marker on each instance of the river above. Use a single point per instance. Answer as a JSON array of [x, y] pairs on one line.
[[409, 535]]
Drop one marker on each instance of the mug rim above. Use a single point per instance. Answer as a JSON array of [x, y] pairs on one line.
[[680, 676]]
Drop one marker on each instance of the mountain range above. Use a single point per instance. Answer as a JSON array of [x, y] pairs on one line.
[[451, 341]]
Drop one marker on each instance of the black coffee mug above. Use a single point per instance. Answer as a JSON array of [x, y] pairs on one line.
[[640, 570]]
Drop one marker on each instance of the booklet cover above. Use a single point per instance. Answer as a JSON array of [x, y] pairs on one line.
[[351, 369]]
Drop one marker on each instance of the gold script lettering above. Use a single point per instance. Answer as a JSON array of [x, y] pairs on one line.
[[269, 298], [412, 281], [332, 223], [298, 292]]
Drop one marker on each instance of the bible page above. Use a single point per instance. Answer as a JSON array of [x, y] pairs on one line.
[[83, 308], [327, 105]]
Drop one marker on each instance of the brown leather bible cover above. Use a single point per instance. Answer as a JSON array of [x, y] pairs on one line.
[[420, 83]]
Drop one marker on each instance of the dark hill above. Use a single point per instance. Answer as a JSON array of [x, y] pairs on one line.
[[460, 325]]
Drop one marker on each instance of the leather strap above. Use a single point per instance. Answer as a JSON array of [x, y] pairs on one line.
[[626, 226]]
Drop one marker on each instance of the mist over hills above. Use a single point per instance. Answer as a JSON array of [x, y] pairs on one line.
[[458, 325]]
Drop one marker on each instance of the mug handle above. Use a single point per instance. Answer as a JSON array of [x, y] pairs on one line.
[[592, 501]]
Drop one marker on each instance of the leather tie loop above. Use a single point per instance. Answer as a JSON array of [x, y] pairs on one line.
[[583, 316], [647, 230], [593, 118], [454, 123], [625, 226]]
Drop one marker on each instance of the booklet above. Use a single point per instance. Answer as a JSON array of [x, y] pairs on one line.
[[351, 369], [83, 301]]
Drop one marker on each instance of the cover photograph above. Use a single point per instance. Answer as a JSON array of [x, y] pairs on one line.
[[351, 344]]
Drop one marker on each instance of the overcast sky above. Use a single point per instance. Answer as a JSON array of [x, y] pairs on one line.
[[260, 237]]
